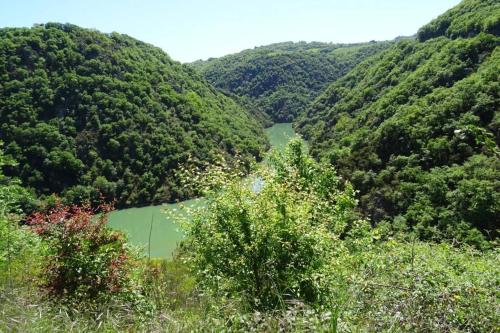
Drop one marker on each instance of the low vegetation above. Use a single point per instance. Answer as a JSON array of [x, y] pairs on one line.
[[289, 255]]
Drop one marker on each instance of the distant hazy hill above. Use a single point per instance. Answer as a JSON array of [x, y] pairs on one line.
[[282, 79], [416, 127], [85, 112]]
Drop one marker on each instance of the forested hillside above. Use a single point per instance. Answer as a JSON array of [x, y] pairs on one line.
[[386, 220], [416, 127], [282, 79], [86, 113]]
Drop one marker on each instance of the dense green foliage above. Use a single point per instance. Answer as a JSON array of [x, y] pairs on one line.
[[416, 130], [272, 243], [467, 19], [282, 79], [86, 113]]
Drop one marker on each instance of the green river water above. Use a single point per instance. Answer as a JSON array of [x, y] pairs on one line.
[[165, 233]]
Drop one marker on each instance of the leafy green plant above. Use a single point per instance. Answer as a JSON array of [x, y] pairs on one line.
[[17, 244], [271, 244]]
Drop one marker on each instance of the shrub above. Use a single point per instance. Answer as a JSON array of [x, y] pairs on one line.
[[87, 261], [271, 242]]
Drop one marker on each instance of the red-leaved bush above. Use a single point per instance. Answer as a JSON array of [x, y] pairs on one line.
[[87, 259]]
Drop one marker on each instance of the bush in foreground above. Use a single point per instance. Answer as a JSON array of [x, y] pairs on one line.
[[271, 242], [87, 260]]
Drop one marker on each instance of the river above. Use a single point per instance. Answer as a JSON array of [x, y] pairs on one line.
[[165, 233]]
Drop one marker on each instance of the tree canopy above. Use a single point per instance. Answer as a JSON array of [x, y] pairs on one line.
[[282, 79], [416, 127], [85, 112]]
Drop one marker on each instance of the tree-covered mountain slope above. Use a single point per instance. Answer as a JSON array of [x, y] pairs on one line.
[[416, 127], [282, 79], [85, 112]]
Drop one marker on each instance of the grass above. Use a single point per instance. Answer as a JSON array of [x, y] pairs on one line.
[[389, 286]]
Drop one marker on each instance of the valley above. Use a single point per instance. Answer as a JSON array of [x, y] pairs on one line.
[[294, 186]]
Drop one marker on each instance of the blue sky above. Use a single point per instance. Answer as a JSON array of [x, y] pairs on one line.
[[197, 29]]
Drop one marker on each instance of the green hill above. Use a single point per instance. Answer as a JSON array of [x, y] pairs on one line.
[[282, 79], [416, 127], [85, 112]]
